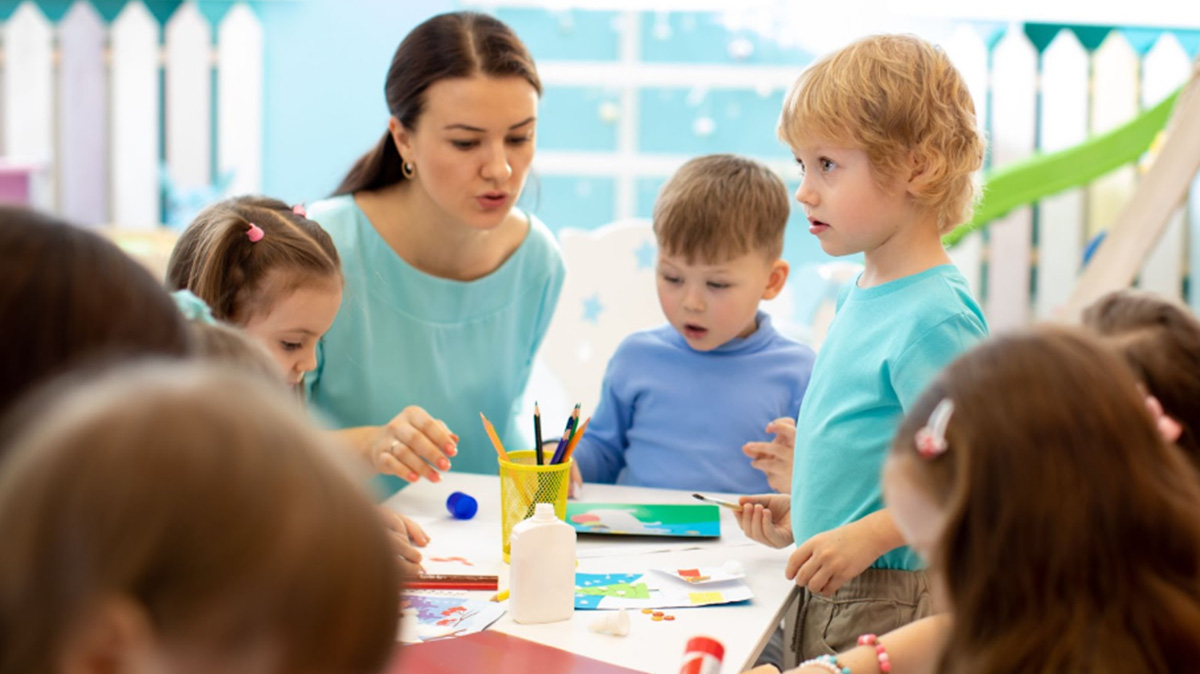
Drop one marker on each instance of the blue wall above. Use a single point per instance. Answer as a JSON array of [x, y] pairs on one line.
[[324, 69]]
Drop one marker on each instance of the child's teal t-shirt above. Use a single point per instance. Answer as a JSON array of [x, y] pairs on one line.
[[885, 345], [403, 337]]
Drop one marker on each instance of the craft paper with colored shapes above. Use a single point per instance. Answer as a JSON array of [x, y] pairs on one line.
[[428, 617], [685, 520], [659, 589], [732, 570]]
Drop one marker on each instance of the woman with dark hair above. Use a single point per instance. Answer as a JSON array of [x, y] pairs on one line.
[[449, 288], [70, 298]]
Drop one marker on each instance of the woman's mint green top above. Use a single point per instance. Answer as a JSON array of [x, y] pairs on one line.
[[455, 348]]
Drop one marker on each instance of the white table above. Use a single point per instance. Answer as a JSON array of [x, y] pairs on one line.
[[655, 647]]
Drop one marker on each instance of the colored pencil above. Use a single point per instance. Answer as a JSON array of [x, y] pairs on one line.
[[537, 434], [573, 422], [575, 441], [566, 436], [562, 447], [567, 433], [726, 504], [441, 581], [491, 431], [500, 596]]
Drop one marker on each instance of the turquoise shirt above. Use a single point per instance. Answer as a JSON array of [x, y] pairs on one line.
[[885, 345], [403, 337]]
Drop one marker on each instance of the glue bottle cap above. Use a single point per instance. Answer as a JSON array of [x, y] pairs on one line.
[[462, 506]]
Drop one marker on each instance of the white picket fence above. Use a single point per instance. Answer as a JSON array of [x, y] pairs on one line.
[[106, 106], [1028, 102], [103, 108], [1081, 94]]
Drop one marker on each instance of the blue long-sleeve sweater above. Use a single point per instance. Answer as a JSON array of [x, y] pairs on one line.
[[673, 417]]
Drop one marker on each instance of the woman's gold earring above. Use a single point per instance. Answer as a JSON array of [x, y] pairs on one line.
[[408, 170]]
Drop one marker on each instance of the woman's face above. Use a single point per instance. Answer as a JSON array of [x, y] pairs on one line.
[[472, 146]]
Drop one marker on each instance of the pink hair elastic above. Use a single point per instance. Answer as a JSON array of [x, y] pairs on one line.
[[298, 209], [255, 233], [931, 438]]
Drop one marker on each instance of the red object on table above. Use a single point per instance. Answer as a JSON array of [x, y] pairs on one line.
[[496, 653], [447, 581]]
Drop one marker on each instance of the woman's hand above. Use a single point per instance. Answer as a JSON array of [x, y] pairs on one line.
[[412, 445]]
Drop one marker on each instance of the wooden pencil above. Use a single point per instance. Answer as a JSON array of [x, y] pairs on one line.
[[537, 434], [491, 431]]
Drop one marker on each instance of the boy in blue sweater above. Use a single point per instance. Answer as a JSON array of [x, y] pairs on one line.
[[885, 134], [679, 401]]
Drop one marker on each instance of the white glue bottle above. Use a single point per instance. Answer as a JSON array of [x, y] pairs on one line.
[[541, 580]]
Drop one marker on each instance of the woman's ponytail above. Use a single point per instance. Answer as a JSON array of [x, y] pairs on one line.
[[378, 168]]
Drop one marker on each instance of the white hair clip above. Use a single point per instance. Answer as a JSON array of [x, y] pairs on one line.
[[931, 438]]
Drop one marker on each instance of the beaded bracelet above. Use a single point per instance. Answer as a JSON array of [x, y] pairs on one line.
[[885, 663], [827, 662]]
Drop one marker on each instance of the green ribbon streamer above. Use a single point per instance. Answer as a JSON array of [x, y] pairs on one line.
[[1039, 176]]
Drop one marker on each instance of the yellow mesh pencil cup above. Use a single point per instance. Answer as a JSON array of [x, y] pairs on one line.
[[524, 483]]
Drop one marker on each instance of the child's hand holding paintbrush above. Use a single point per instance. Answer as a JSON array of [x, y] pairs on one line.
[[716, 501]]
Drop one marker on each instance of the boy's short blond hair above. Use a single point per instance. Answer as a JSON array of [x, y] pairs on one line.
[[721, 206], [895, 96]]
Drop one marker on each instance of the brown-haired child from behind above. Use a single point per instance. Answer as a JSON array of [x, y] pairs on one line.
[[1059, 522], [1160, 340], [70, 298], [181, 518], [225, 344]]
